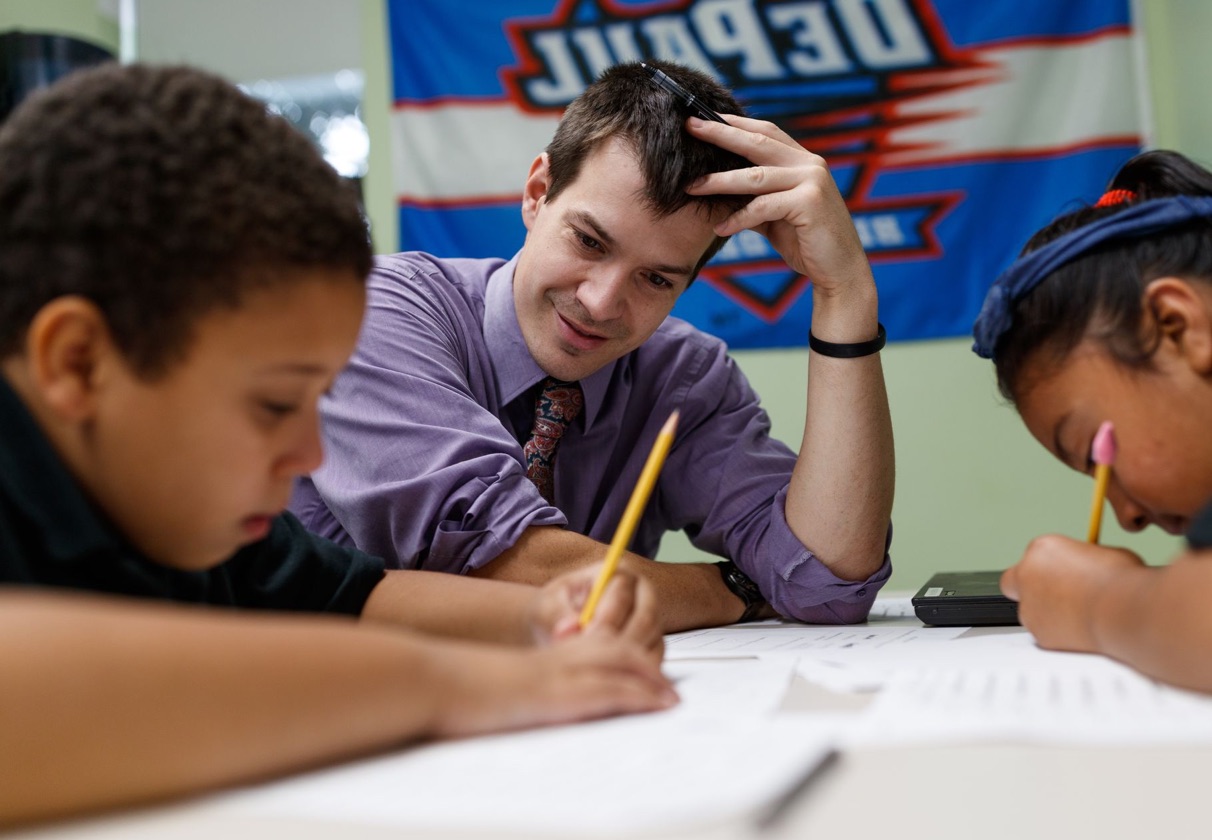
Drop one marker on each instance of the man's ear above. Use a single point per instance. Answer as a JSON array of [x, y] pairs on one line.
[[66, 347], [1183, 319], [534, 194]]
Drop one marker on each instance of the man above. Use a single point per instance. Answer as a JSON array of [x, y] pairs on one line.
[[431, 457]]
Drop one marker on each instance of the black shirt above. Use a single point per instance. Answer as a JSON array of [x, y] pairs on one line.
[[51, 535], [1199, 532]]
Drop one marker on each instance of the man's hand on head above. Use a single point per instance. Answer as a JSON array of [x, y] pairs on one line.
[[796, 204]]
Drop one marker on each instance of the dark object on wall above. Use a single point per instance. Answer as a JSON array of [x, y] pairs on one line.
[[30, 60]]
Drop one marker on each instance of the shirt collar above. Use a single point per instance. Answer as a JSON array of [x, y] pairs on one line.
[[37, 481], [516, 370]]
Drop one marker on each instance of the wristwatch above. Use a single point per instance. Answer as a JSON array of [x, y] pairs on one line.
[[740, 585]]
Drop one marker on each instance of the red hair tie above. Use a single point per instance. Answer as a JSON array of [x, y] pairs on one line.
[[1112, 197]]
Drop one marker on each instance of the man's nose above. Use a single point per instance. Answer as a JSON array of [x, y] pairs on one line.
[[603, 293]]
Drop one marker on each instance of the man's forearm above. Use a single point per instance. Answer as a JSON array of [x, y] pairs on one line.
[[840, 499], [689, 595], [454, 607]]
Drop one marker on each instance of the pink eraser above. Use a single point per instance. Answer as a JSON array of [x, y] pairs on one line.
[[1103, 449]]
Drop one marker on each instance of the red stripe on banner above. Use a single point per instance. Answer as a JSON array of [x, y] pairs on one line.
[[460, 203]]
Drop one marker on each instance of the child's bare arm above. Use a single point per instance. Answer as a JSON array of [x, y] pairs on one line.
[[110, 702], [1157, 620]]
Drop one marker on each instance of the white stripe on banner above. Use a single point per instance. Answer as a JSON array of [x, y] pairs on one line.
[[1036, 99], [479, 153], [465, 153]]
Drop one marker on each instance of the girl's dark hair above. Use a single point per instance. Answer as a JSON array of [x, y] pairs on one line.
[[160, 194], [1100, 295], [625, 102]]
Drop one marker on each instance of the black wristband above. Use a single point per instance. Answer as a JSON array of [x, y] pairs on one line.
[[849, 351], [740, 585]]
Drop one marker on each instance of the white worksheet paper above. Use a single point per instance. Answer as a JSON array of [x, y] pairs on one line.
[[932, 684], [1058, 698], [695, 765], [768, 639]]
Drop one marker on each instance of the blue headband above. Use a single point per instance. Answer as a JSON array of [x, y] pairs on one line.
[[1027, 272]]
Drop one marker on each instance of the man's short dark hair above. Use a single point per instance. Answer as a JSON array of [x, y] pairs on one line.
[[625, 102], [160, 194]]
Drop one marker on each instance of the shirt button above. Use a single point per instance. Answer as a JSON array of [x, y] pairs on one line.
[[863, 591]]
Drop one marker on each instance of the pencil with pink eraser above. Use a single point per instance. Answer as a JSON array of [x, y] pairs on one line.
[[1102, 452]]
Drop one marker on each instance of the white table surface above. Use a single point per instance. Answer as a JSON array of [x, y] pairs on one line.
[[988, 791]]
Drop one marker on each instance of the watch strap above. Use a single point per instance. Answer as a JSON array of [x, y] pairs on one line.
[[849, 351], [742, 586]]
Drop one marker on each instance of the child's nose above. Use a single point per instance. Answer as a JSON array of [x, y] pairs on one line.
[[1131, 516], [307, 450]]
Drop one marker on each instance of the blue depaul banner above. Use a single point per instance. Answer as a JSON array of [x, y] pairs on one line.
[[954, 129]]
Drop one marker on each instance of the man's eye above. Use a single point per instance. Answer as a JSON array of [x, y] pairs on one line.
[[659, 281], [588, 242]]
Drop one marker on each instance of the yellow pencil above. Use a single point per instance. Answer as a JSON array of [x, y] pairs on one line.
[[1102, 452], [631, 515]]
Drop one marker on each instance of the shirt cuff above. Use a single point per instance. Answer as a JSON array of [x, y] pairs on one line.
[[803, 588]]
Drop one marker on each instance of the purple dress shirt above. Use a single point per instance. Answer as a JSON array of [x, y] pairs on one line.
[[424, 429]]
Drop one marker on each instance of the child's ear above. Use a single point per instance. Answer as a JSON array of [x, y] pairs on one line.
[[1183, 320], [535, 192], [65, 347]]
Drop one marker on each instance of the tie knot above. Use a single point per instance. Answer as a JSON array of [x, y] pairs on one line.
[[559, 402]]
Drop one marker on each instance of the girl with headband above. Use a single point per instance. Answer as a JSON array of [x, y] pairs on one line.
[[1107, 316]]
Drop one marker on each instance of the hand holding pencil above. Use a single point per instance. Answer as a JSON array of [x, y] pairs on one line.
[[628, 609], [631, 515]]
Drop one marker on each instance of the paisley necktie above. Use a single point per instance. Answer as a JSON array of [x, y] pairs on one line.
[[557, 405]]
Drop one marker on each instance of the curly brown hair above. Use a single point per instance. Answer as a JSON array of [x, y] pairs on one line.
[[160, 194]]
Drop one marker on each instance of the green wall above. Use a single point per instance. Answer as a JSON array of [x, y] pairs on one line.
[[81, 19], [379, 193]]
